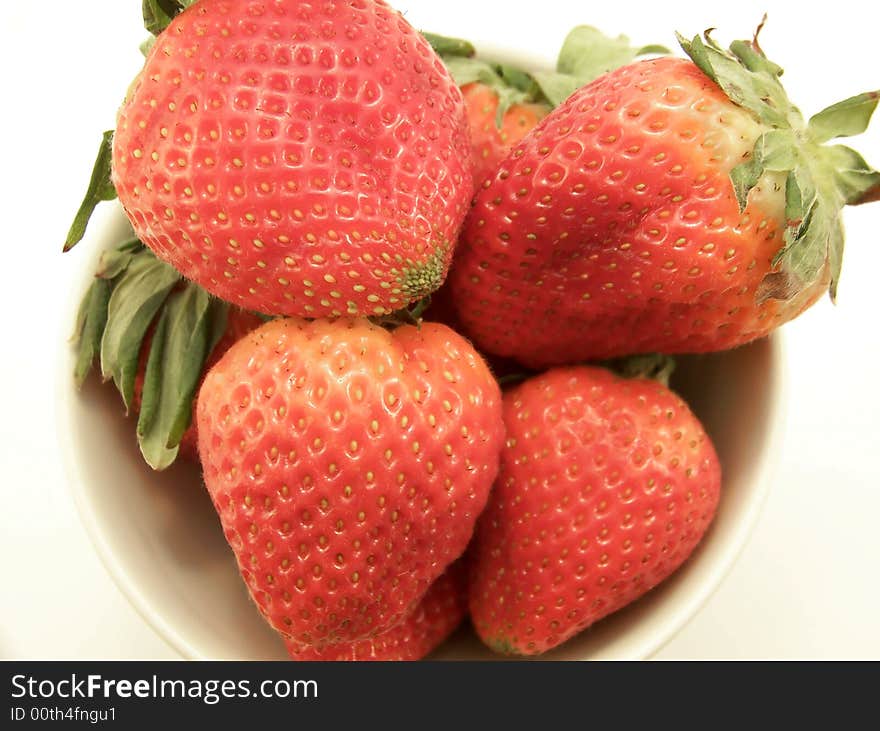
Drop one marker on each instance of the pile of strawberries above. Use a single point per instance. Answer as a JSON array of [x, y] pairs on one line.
[[345, 233]]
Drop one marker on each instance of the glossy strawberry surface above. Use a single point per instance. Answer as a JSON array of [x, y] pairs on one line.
[[437, 615], [606, 486], [296, 157], [348, 465], [613, 227]]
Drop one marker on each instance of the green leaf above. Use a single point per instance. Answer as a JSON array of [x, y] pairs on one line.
[[90, 323], [844, 119], [752, 84], [557, 87], [586, 54], [806, 237], [800, 200], [781, 151], [518, 79], [470, 70], [115, 261], [147, 45], [752, 58], [744, 177], [153, 373], [820, 180], [854, 177], [217, 324], [179, 348], [818, 243], [698, 53], [159, 13], [776, 150], [473, 70], [136, 298], [653, 49], [100, 189], [445, 46]]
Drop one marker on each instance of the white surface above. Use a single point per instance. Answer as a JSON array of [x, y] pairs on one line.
[[806, 585]]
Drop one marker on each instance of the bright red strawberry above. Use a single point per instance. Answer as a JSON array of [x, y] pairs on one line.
[[606, 486], [238, 324], [348, 465], [490, 142], [659, 209], [437, 616], [295, 157]]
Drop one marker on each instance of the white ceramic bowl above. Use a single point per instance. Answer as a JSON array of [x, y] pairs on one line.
[[160, 539]]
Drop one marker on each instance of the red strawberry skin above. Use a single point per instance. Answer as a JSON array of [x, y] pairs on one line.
[[238, 324], [613, 228], [437, 615], [296, 158], [348, 465], [606, 486], [490, 143], [442, 309]]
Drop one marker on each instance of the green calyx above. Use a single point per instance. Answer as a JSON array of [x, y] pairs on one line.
[[132, 291], [159, 13], [100, 189], [510, 84], [820, 179], [586, 54]]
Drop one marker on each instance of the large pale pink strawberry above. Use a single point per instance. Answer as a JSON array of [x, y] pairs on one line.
[[437, 615], [606, 486], [295, 157], [670, 205], [348, 465]]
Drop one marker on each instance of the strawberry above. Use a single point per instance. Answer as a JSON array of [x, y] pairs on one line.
[[490, 142], [437, 616], [606, 486], [669, 205], [442, 309], [504, 102], [296, 158], [238, 324], [348, 465]]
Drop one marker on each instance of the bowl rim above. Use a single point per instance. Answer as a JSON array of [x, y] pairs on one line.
[[149, 610], [764, 478]]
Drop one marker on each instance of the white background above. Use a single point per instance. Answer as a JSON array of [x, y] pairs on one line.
[[806, 585]]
